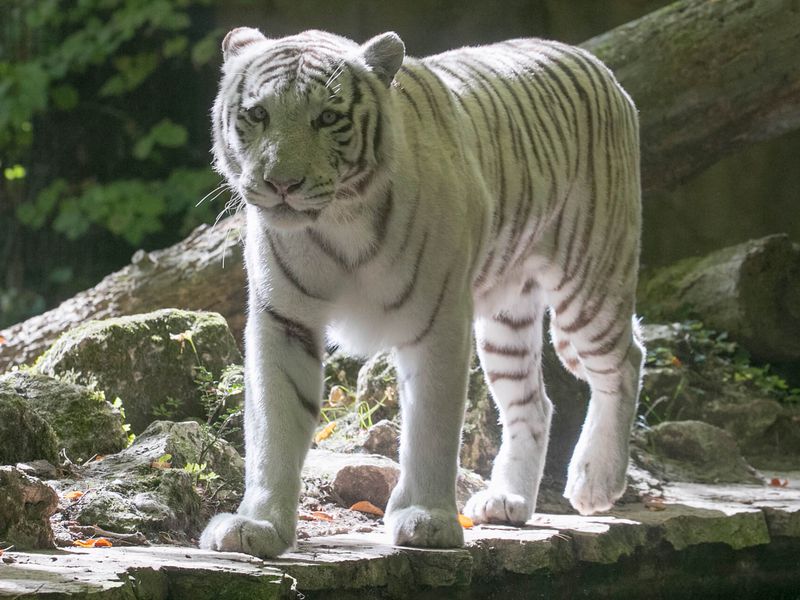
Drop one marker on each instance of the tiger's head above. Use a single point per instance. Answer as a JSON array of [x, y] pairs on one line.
[[299, 124]]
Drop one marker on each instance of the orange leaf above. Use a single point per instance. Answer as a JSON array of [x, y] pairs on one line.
[[2, 340], [1, 551], [676, 362], [102, 543], [76, 495], [337, 396], [775, 482], [365, 506], [654, 504], [465, 521], [325, 433], [321, 516], [93, 543]]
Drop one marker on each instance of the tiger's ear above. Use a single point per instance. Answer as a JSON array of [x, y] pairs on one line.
[[384, 55], [239, 38]]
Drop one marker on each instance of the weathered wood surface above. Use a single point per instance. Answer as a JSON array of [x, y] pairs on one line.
[[707, 77], [560, 554]]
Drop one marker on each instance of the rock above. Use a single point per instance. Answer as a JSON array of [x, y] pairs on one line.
[[84, 423], [480, 437], [41, 469], [383, 438], [372, 483], [25, 508], [159, 483], [377, 385], [693, 373], [341, 369], [24, 435], [322, 468], [697, 451], [150, 361], [751, 290]]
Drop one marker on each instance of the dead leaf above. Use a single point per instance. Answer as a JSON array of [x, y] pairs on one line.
[[2, 340], [337, 396], [676, 362], [776, 482], [73, 496], [654, 504], [465, 521], [365, 506], [102, 543], [325, 433], [321, 516], [160, 464], [93, 543]]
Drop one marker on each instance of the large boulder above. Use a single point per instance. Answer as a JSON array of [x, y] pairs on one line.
[[84, 423], [150, 361], [24, 434], [751, 290], [697, 451], [26, 505]]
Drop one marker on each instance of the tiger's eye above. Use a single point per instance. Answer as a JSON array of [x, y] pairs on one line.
[[328, 117], [258, 114]]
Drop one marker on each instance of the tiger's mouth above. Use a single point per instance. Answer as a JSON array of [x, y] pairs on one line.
[[283, 214]]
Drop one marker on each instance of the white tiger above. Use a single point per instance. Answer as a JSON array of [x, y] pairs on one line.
[[392, 202]]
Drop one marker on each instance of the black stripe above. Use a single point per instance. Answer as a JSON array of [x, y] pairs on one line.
[[312, 407], [411, 285], [288, 273], [295, 331], [432, 319]]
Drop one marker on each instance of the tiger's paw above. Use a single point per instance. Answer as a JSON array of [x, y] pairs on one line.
[[594, 484], [425, 527], [497, 506], [234, 533]]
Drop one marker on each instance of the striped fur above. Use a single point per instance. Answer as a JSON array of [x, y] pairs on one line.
[[392, 203]]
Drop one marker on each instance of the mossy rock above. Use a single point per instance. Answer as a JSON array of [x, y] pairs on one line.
[[24, 434], [84, 423], [25, 508], [697, 451], [156, 485], [751, 290], [149, 361]]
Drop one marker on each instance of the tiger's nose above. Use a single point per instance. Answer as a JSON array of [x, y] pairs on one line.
[[283, 186]]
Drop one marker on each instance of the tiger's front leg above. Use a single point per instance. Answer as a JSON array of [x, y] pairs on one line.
[[283, 385], [432, 375]]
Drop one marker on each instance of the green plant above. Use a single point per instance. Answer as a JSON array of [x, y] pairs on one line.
[[103, 133], [200, 472]]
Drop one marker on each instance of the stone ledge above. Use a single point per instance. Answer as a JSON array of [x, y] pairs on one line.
[[694, 517]]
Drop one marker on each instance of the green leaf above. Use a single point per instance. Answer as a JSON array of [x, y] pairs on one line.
[[65, 97]]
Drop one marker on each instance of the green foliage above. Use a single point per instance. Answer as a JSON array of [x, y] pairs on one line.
[[699, 347], [103, 134]]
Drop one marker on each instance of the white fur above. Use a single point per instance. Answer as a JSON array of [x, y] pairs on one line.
[[440, 210]]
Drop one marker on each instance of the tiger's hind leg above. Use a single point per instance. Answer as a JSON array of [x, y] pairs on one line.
[[610, 356], [509, 343]]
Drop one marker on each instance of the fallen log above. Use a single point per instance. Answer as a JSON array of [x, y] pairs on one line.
[[707, 77]]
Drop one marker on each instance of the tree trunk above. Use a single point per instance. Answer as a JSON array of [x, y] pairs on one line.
[[707, 77]]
